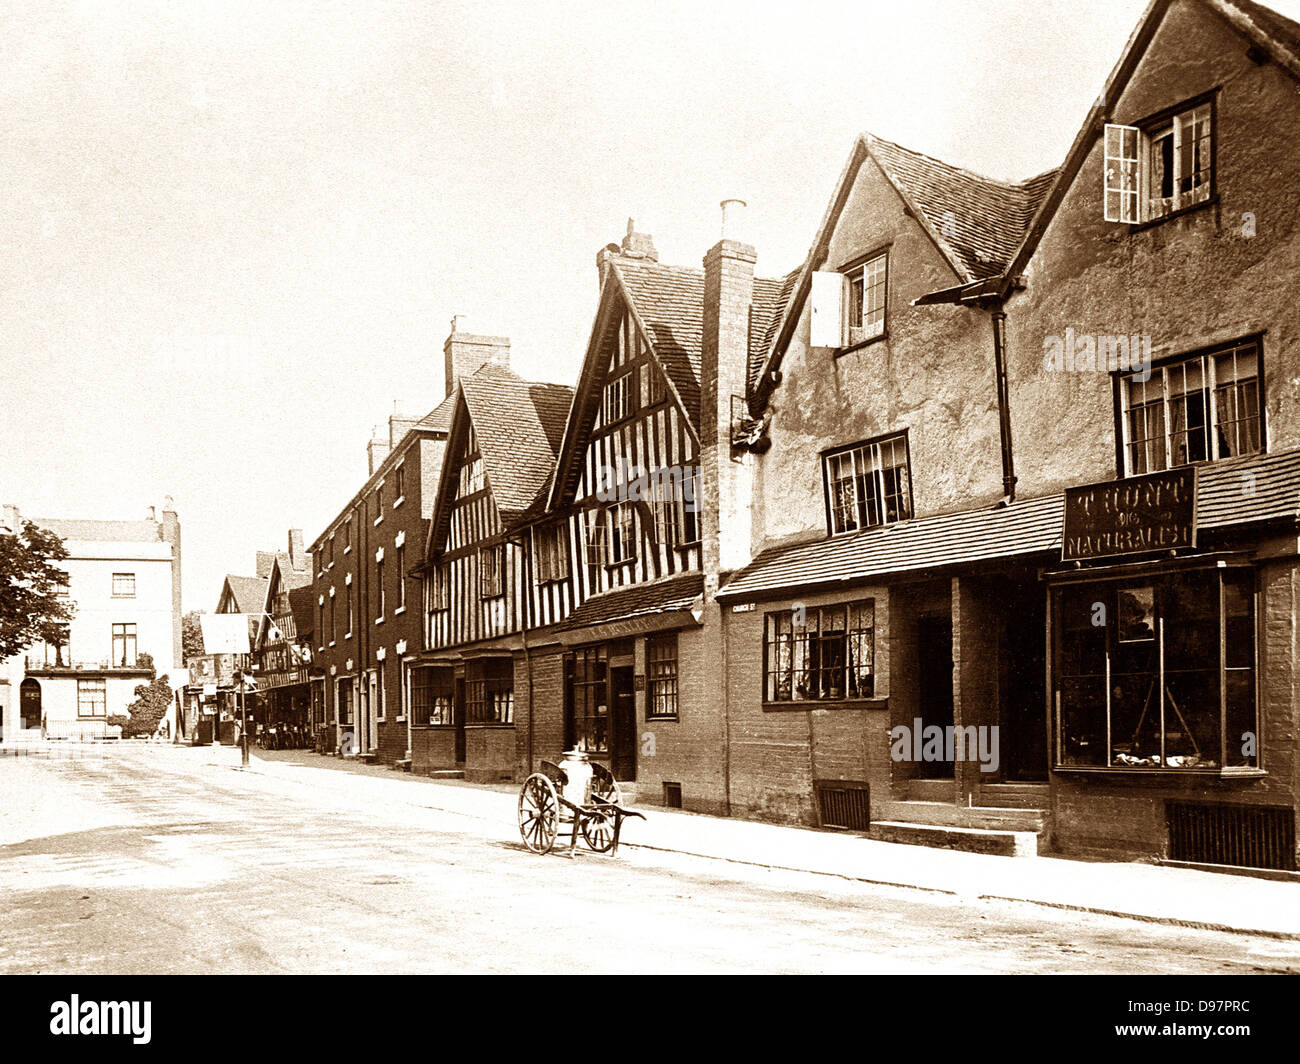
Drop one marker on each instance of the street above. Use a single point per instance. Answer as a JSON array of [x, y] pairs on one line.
[[138, 858]]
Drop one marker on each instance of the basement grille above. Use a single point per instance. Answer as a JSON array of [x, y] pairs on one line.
[[843, 804], [1246, 836]]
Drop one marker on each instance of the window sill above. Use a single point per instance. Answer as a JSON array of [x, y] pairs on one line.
[[827, 703], [1138, 227], [379, 620], [398, 502], [489, 726], [839, 352], [348, 636], [1229, 773], [399, 611], [332, 642], [346, 551], [611, 567], [377, 521], [662, 720]]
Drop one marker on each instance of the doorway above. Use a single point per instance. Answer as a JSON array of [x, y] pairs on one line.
[[29, 703], [1022, 681], [622, 752], [934, 665]]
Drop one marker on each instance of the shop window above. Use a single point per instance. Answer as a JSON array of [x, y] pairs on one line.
[[868, 484], [432, 691], [490, 691], [661, 676], [1157, 673], [589, 700], [820, 653]]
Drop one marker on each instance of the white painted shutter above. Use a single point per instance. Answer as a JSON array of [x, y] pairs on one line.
[[827, 310], [1120, 191]]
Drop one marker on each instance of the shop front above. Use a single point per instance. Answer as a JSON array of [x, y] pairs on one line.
[[1171, 675]]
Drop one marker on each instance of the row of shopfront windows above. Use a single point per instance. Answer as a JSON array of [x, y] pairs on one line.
[[1150, 671]]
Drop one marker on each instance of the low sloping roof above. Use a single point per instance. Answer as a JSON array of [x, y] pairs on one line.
[[771, 300], [101, 531], [638, 600], [1023, 528]]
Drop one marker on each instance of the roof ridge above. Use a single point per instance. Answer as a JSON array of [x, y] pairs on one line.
[[1014, 186]]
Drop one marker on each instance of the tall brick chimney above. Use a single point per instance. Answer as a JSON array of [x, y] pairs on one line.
[[297, 556], [466, 353], [728, 294], [635, 245], [376, 450]]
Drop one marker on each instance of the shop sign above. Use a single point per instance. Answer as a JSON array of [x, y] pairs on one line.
[[1155, 512]]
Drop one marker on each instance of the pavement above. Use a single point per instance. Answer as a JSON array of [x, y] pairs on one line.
[[1154, 893]]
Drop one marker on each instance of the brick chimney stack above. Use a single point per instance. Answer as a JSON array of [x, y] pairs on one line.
[[171, 533], [635, 245], [728, 294], [466, 353], [297, 556]]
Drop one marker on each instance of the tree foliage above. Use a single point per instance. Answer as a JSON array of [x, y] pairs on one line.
[[30, 582], [191, 636], [152, 701]]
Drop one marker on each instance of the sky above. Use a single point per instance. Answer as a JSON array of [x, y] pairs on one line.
[[235, 233]]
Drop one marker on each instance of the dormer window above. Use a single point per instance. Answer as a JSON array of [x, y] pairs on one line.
[[1161, 166], [848, 306]]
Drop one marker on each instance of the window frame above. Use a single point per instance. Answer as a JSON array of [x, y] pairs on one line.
[[95, 686], [1106, 589], [495, 588], [772, 670], [834, 453], [490, 682], [662, 671], [623, 384], [130, 639], [123, 577], [433, 697], [551, 549], [1123, 384], [1148, 131], [856, 269], [621, 534]]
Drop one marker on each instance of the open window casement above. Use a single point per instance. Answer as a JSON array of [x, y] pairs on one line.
[[1122, 169], [828, 292]]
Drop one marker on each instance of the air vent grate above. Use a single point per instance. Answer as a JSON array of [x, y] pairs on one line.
[[1247, 836], [843, 804]]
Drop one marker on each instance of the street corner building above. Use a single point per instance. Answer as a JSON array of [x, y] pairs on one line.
[[977, 528], [124, 582]]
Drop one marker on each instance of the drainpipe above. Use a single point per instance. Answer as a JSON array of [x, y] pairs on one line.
[[999, 316]]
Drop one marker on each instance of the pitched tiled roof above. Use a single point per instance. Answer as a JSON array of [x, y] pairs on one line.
[[248, 592], [302, 604], [982, 221], [1029, 527], [670, 303], [439, 418], [639, 600], [771, 300], [1278, 28], [518, 424], [101, 531]]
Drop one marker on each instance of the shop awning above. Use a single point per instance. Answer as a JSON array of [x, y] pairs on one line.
[[1237, 492]]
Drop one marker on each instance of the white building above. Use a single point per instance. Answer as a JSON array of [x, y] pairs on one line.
[[124, 578]]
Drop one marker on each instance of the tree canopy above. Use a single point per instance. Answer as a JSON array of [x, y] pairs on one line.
[[30, 581]]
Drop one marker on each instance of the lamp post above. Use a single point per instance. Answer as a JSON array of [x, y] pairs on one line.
[[241, 682]]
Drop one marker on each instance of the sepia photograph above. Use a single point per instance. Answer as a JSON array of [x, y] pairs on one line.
[[652, 489]]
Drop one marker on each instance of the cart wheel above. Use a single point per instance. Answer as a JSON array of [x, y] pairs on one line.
[[598, 830], [607, 790], [539, 813]]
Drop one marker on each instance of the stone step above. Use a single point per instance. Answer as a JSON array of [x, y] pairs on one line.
[[447, 774], [945, 814], [1015, 795], [970, 840]]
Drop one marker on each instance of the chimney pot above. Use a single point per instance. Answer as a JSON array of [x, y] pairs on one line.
[[733, 219]]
